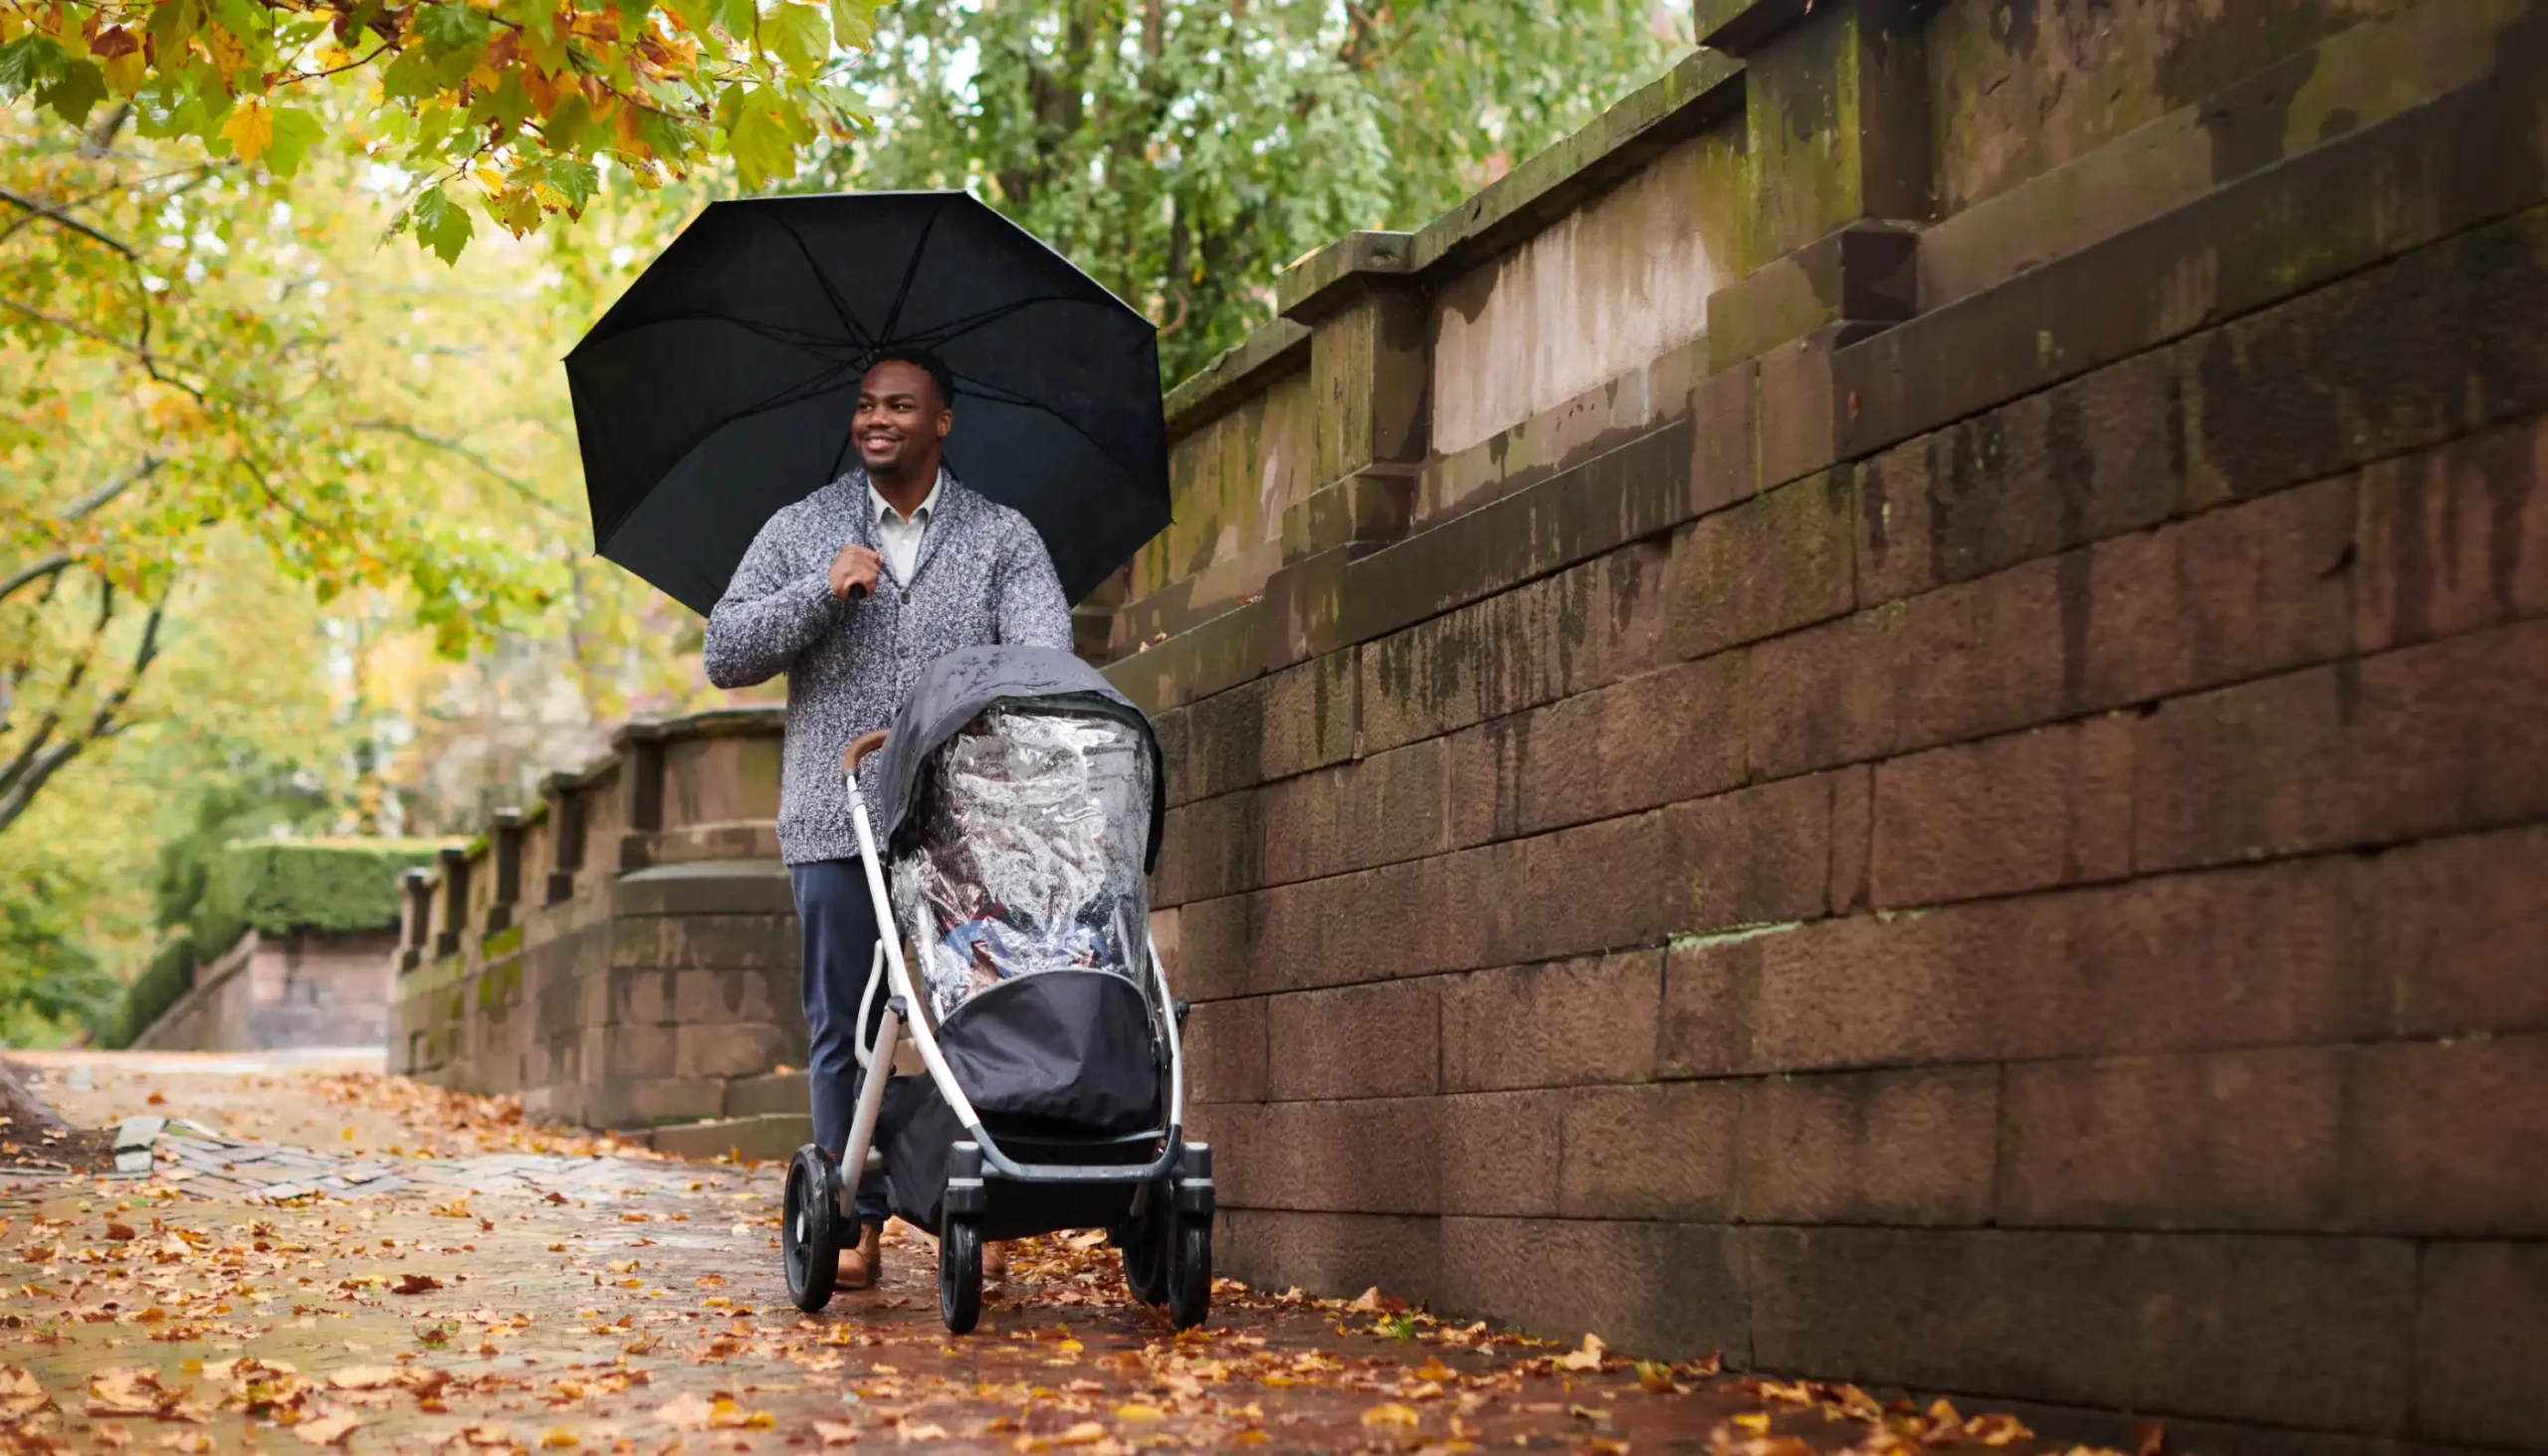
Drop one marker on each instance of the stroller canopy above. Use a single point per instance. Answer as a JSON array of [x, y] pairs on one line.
[[959, 687]]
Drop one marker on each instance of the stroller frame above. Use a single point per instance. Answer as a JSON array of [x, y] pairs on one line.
[[1166, 1240]]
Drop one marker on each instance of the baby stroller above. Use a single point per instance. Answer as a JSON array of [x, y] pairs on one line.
[[1019, 807]]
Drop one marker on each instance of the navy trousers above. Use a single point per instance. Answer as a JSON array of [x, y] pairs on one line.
[[839, 922]]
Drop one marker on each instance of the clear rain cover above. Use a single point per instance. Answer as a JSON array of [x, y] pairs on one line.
[[1027, 855]]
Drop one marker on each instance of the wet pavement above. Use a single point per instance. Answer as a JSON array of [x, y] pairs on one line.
[[318, 1257]]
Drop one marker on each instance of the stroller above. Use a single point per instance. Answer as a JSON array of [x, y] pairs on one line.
[[1019, 805]]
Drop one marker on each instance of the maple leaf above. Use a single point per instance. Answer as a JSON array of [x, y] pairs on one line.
[[327, 1431], [1586, 1359], [415, 1283]]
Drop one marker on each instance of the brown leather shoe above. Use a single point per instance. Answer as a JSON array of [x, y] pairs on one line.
[[862, 1266]]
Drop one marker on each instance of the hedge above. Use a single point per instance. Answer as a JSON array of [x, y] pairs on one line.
[[272, 886]]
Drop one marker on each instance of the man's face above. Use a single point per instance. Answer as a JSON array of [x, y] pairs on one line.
[[900, 417]]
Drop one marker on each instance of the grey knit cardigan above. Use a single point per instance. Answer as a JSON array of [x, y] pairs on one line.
[[982, 576]]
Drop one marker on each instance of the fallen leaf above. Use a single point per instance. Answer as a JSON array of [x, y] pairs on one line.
[[924, 1432], [1755, 1421], [1657, 1377], [1368, 1303], [1086, 1433], [1390, 1415], [191, 1443], [111, 1434], [1586, 1359], [21, 1395], [558, 1438], [1138, 1410], [488, 1433], [685, 1413], [119, 1233], [415, 1283], [327, 1430], [364, 1377], [835, 1433]]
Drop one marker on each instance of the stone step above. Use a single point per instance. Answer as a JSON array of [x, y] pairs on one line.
[[773, 1092], [769, 1137]]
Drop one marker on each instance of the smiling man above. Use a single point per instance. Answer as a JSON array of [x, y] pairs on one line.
[[850, 592]]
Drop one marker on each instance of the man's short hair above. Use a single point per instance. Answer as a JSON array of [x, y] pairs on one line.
[[922, 360]]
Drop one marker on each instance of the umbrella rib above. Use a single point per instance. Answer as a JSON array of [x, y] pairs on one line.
[[974, 387], [911, 270], [795, 393], [806, 339], [956, 329], [840, 309]]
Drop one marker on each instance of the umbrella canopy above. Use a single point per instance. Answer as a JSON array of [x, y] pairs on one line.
[[720, 387]]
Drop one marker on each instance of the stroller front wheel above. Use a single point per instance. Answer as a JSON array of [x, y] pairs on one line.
[[1190, 1275], [1146, 1242], [959, 1273], [809, 1236]]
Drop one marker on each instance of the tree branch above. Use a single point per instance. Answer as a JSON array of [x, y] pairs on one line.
[[80, 509], [36, 766], [513, 482]]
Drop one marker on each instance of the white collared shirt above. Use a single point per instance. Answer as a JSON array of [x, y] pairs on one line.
[[900, 538]]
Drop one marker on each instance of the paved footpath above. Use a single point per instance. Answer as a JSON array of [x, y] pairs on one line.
[[314, 1256]]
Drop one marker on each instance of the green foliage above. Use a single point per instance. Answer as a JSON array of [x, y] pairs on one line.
[[50, 981], [271, 885], [1184, 151], [274, 885]]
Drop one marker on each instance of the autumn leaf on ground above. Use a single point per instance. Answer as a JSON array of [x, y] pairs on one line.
[[187, 1443], [20, 1393], [1657, 1377], [415, 1283], [364, 1377], [1586, 1359], [327, 1430], [835, 1433], [558, 1438], [1369, 1303], [128, 1391], [685, 1413], [1390, 1415]]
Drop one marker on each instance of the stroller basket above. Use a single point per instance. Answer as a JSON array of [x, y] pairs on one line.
[[1020, 814]]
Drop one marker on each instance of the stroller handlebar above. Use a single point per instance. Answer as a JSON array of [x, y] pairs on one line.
[[859, 748]]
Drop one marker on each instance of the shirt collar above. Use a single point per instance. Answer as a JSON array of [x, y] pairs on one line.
[[921, 514]]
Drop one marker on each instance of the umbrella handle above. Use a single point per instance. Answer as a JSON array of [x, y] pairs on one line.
[[856, 591]]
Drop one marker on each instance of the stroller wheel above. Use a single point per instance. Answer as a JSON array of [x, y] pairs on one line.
[[959, 1273], [810, 1234], [1190, 1275], [1146, 1247]]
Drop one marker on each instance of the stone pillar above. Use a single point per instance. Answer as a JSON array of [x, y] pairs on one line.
[[455, 902], [505, 835], [565, 834], [421, 916], [640, 746]]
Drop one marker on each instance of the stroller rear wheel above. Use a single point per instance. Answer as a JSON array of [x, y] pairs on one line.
[[809, 1238], [960, 1272], [1190, 1275], [1145, 1244]]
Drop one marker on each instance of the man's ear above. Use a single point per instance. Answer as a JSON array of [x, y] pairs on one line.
[[946, 422]]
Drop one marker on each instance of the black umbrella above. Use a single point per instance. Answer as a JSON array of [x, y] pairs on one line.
[[720, 387]]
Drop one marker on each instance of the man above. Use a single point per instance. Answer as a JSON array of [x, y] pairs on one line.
[[850, 592]]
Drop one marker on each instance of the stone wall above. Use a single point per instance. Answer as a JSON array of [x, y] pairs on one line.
[[301, 989], [1887, 715], [626, 951]]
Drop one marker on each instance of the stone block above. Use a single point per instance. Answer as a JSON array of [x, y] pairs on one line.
[[1852, 837], [1754, 856], [2211, 1139], [1310, 714], [761, 996], [2026, 811], [1373, 1156], [632, 1049], [1725, 436], [621, 1100], [1900, 1148], [1224, 1045], [2449, 933], [1335, 1255], [2451, 1137], [1599, 886], [1378, 1040], [706, 887], [1959, 662], [2227, 595], [1557, 1025], [637, 995], [2481, 1340], [2437, 345], [1647, 1289], [1647, 740], [735, 1048], [2299, 1331], [1768, 565], [2091, 459], [2454, 539], [1378, 810], [2422, 740], [1664, 1150], [1583, 627], [1500, 1152]]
